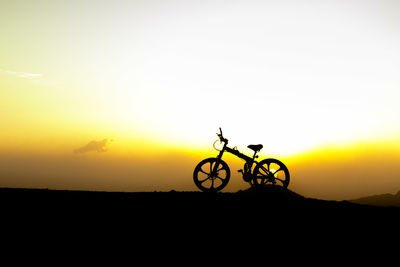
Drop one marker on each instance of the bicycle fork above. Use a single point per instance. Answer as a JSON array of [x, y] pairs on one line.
[[214, 169]]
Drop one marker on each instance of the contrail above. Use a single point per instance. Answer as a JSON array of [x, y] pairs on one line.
[[21, 74]]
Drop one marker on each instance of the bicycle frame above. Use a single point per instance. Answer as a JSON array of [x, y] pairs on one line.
[[236, 152]]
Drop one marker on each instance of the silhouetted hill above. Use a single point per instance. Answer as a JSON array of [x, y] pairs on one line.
[[252, 202], [193, 216], [379, 200]]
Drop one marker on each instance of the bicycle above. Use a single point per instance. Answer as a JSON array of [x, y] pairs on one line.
[[213, 174]]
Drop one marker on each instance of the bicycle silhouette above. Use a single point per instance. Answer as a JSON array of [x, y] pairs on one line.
[[213, 174]]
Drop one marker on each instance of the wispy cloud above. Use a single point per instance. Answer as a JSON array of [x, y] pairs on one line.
[[96, 146], [21, 74]]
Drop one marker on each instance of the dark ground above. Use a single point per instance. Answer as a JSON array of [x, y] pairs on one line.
[[251, 204], [249, 224]]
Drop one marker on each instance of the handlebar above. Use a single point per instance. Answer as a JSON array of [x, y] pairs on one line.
[[221, 137]]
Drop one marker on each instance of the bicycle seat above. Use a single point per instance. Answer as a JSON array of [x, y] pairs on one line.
[[255, 148]]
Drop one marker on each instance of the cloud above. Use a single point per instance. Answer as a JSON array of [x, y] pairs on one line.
[[21, 74], [97, 146]]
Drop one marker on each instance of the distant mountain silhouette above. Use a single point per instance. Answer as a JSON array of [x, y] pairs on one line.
[[379, 200]]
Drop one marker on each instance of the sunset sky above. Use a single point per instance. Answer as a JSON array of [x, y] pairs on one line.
[[128, 95]]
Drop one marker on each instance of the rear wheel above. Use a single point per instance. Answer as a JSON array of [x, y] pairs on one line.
[[211, 175], [271, 171]]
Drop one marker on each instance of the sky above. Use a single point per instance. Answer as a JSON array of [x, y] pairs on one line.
[[128, 95]]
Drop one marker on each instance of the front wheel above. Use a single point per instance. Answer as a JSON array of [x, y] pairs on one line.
[[271, 171], [211, 175]]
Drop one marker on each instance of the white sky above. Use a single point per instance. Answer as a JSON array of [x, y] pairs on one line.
[[289, 74]]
